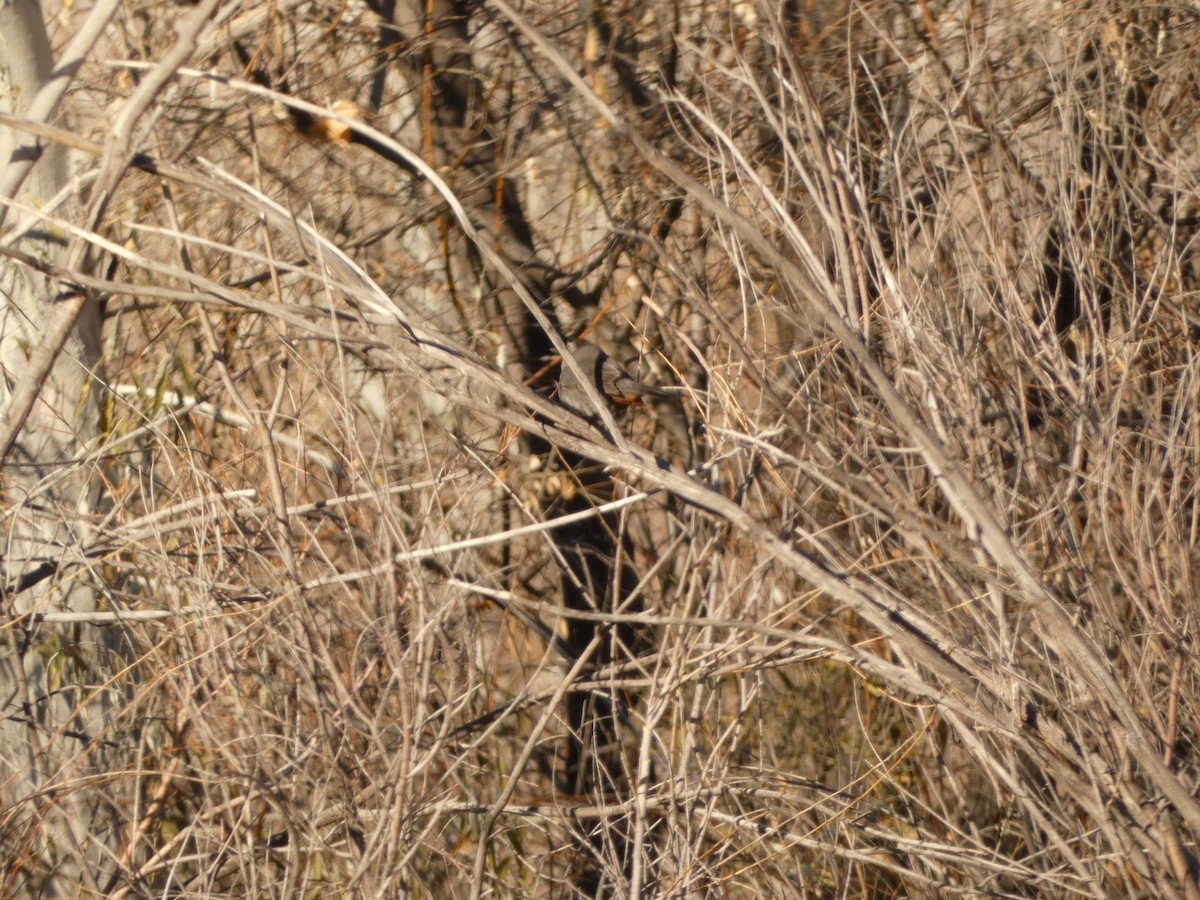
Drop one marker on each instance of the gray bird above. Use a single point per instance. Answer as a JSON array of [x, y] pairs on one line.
[[611, 381]]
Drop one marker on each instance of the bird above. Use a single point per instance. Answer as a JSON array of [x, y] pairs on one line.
[[612, 382]]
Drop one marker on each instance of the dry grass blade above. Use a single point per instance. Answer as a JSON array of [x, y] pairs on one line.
[[891, 593]]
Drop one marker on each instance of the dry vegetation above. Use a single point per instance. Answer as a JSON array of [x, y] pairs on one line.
[[899, 599]]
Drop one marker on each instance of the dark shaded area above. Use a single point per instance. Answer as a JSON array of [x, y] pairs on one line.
[[431, 45]]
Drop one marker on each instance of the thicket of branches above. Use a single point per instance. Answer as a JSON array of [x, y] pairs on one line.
[[897, 600]]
